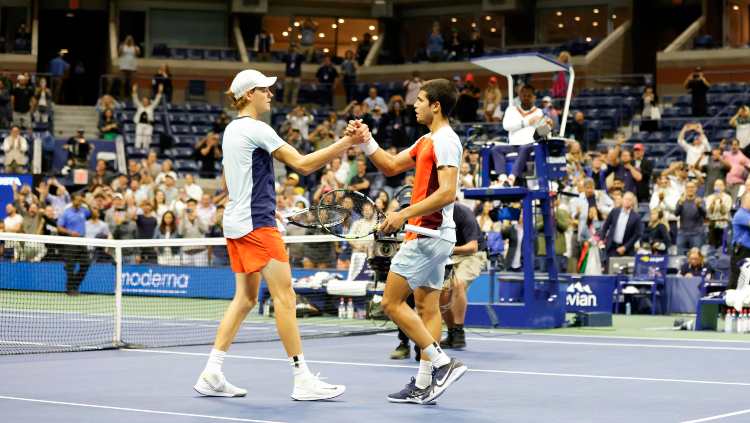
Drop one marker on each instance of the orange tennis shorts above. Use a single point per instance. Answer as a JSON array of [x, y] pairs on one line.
[[253, 251]]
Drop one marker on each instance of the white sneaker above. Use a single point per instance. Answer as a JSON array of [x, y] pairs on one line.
[[216, 385], [310, 388]]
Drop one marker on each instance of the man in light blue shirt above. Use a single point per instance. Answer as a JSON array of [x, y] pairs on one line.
[[741, 239], [73, 223]]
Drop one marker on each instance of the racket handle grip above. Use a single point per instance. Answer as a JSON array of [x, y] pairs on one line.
[[432, 233]]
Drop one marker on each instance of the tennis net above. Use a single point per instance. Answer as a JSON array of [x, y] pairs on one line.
[[74, 294]]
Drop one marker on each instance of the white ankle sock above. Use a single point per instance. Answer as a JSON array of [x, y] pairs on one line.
[[299, 366], [215, 361], [436, 355], [424, 374]]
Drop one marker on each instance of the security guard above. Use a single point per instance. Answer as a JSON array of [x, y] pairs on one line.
[[740, 239]]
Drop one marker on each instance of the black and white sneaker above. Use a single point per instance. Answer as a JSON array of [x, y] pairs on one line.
[[443, 377], [410, 394]]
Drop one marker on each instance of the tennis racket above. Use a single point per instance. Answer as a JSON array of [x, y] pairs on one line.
[[308, 218], [352, 215]]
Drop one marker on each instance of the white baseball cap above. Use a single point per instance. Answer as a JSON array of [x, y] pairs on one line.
[[249, 79]]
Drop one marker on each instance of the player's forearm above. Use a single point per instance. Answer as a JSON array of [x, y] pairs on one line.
[[317, 159], [434, 202], [384, 161]]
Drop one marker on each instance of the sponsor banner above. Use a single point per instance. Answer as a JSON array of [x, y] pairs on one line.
[[590, 293], [6, 188]]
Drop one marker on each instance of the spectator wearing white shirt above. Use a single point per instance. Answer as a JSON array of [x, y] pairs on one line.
[[693, 140], [665, 197], [15, 148], [719, 213], [374, 100], [144, 117], [194, 190], [299, 119], [206, 210]]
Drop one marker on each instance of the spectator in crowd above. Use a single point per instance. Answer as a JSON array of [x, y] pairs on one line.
[[262, 45], [695, 265], [5, 109], [467, 104], [221, 122], [579, 132], [322, 136], [357, 111], [161, 206], [435, 44], [562, 220], [455, 46], [193, 190], [208, 153], [109, 128], [396, 122], [656, 239], [167, 256], [294, 138], [300, 119], [129, 52], [107, 102], [95, 227], [645, 167], [206, 210], [550, 112], [163, 78], [360, 182], [120, 219], [560, 85], [54, 193], [492, 97], [698, 86], [144, 117], [22, 41], [373, 100], [719, 213], [59, 70], [79, 150], [741, 122], [191, 226], [626, 172], [292, 75], [146, 223], [475, 46], [651, 113], [326, 76], [151, 164], [169, 187], [41, 102], [13, 223], [694, 141], [622, 228], [219, 254], [738, 165], [20, 100], [363, 48], [72, 223], [665, 197], [412, 87], [716, 168], [692, 213], [308, 32], [15, 149], [349, 73]]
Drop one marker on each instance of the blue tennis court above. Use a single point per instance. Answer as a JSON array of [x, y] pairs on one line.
[[514, 377]]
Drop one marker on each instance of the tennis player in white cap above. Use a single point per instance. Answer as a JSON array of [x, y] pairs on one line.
[[254, 243]]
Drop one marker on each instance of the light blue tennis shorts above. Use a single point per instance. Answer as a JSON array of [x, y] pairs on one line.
[[422, 262]]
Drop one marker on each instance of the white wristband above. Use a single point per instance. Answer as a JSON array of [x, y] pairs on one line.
[[369, 147]]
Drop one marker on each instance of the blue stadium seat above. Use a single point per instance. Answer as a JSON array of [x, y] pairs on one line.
[[178, 53], [229, 55], [182, 152], [212, 54], [201, 130], [196, 54], [181, 129], [186, 166], [179, 118], [657, 136]]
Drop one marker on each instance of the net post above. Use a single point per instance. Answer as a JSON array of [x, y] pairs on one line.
[[117, 341]]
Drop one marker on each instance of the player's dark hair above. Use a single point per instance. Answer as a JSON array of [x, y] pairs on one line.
[[529, 87], [443, 92]]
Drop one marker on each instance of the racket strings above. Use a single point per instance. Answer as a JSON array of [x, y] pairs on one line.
[[355, 215]]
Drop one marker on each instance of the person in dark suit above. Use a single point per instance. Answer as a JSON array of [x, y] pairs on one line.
[[622, 228], [646, 168]]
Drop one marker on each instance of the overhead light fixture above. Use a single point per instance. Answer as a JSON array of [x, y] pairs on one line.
[[289, 28], [326, 50], [595, 23], [493, 29], [614, 16], [454, 20], [371, 27], [296, 24], [286, 34], [322, 35], [735, 7], [299, 37], [488, 18], [577, 18], [341, 20], [473, 24], [559, 13], [374, 37], [334, 26], [354, 39], [588, 39], [596, 11], [560, 25]]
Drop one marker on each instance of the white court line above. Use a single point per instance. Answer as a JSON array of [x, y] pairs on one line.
[[508, 372], [720, 416], [611, 344], [642, 338], [136, 410]]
